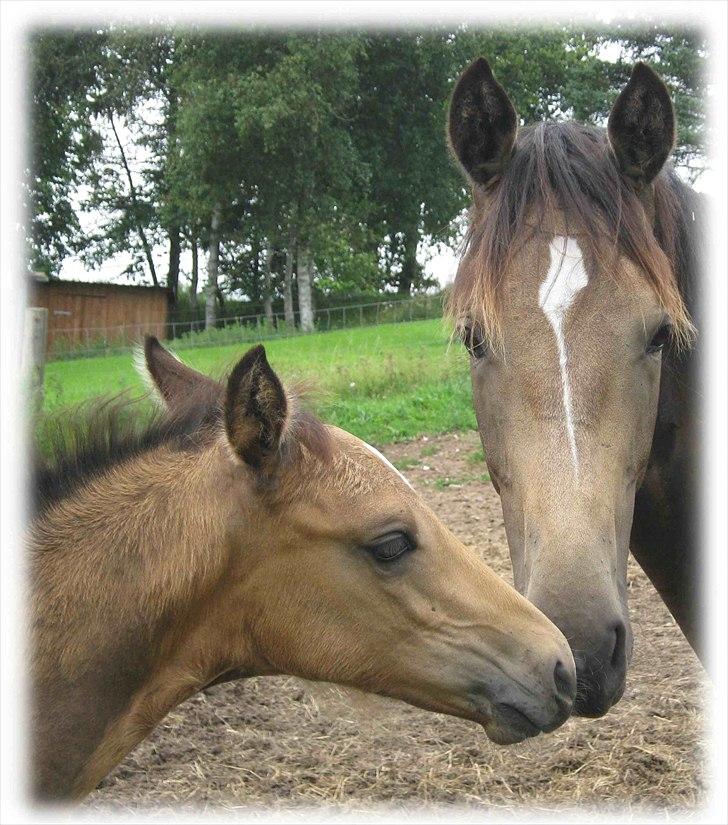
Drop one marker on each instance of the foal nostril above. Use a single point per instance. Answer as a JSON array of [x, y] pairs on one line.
[[564, 680], [618, 659]]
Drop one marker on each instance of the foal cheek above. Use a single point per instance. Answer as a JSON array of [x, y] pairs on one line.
[[314, 614]]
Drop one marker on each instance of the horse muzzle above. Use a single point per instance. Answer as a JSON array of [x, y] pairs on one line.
[[519, 710]]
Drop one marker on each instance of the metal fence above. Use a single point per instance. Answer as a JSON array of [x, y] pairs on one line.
[[96, 341]]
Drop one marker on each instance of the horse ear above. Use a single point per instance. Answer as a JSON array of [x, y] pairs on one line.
[[641, 126], [256, 409], [482, 123], [175, 383]]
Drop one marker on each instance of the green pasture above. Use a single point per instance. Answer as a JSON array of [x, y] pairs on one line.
[[384, 383]]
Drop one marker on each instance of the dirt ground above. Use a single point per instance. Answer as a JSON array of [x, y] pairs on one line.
[[285, 743]]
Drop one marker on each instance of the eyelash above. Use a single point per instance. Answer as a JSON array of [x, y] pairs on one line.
[[474, 342], [391, 547], [659, 339]]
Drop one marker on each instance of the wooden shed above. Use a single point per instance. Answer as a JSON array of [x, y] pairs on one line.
[[86, 313]]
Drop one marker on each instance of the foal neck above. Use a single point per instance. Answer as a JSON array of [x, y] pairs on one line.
[[123, 576]]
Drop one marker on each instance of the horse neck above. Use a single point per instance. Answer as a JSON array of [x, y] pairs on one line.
[[122, 578], [665, 530]]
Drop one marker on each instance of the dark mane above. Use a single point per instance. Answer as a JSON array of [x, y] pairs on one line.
[[105, 434], [570, 167], [76, 447], [689, 243]]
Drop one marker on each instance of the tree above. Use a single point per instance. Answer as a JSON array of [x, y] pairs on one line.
[[317, 154], [399, 130], [135, 106], [62, 141], [571, 72], [294, 115], [208, 170]]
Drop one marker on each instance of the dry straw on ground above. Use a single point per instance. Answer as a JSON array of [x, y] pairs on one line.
[[284, 743]]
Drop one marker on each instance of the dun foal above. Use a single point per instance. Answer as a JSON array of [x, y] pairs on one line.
[[239, 536]]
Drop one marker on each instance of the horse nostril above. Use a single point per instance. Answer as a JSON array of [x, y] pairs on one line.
[[564, 680], [620, 643]]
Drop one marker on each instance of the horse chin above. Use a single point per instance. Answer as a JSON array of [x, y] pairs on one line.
[[508, 726], [504, 736]]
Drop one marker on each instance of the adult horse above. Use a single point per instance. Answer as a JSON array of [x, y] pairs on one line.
[[239, 536], [576, 297]]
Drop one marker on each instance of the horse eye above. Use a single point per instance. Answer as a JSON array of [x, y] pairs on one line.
[[660, 338], [474, 341], [391, 547]]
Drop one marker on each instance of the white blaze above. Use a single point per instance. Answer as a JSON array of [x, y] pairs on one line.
[[566, 277], [386, 461]]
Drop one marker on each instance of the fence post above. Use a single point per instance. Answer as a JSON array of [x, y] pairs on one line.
[[35, 339]]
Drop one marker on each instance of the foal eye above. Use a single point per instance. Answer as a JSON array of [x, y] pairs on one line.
[[474, 341], [660, 338], [391, 547]]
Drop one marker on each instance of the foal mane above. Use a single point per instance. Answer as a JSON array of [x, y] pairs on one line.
[[569, 166], [107, 432], [72, 449]]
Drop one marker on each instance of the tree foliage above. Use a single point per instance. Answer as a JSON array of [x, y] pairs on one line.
[[62, 142], [283, 150]]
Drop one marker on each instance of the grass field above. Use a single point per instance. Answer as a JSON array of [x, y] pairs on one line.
[[384, 383]]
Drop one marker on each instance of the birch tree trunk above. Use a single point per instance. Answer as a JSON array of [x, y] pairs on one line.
[[213, 260], [267, 290], [288, 282], [410, 267], [305, 291], [195, 277], [175, 250]]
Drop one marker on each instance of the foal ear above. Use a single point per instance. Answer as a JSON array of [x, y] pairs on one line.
[[175, 382], [482, 123], [641, 126], [255, 409]]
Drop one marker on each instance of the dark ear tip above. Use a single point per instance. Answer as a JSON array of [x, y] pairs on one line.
[[644, 72], [481, 67], [254, 357], [152, 345]]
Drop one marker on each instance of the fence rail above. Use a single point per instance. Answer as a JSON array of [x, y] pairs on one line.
[[241, 328]]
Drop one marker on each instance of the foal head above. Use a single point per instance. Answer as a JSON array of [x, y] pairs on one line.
[[337, 570], [565, 298]]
